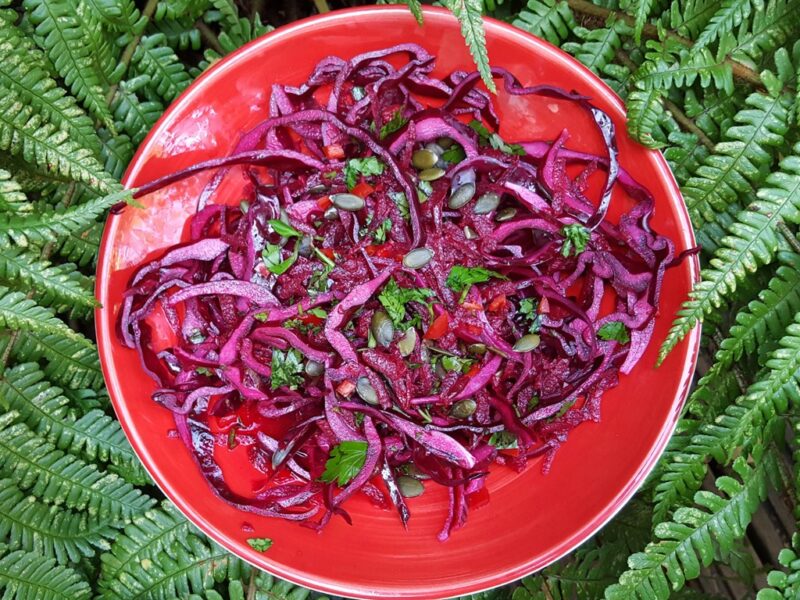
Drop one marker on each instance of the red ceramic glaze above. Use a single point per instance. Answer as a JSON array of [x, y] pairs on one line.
[[530, 519]]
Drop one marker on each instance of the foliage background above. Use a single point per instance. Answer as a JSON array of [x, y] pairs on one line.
[[713, 83]]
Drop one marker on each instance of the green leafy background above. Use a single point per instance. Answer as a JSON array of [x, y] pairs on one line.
[[712, 83]]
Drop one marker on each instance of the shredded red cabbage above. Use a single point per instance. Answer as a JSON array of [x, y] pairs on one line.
[[403, 296]]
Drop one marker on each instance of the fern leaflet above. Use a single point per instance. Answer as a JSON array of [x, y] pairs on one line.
[[27, 575], [12, 198], [168, 77], [730, 14], [71, 364], [548, 19], [469, 14]]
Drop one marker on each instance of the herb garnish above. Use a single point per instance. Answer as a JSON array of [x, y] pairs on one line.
[[271, 254], [287, 369], [462, 278], [396, 122], [345, 461], [614, 330], [487, 138], [260, 544], [576, 237], [361, 166], [394, 299], [284, 229]]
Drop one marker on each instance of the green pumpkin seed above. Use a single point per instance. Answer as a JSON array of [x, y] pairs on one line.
[[314, 368], [469, 233], [486, 203], [437, 149], [413, 471], [365, 390], [527, 343], [304, 247], [409, 487], [477, 348], [408, 342], [461, 196], [348, 202], [418, 258], [424, 159], [445, 142], [431, 174], [331, 214], [382, 328], [464, 408], [505, 214], [320, 187]]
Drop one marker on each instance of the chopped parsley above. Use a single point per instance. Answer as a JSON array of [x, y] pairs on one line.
[[504, 440], [271, 256], [396, 122], [345, 461], [424, 191], [318, 312], [203, 371], [494, 140], [394, 299], [287, 369], [284, 229], [262, 316], [319, 282], [614, 330], [456, 363], [461, 278], [528, 308], [260, 544], [400, 200], [361, 166], [382, 231], [454, 154], [576, 237]]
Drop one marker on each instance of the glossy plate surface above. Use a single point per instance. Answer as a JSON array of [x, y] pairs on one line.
[[532, 519]]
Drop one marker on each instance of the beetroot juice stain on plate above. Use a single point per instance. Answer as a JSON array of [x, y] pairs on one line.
[[545, 515]]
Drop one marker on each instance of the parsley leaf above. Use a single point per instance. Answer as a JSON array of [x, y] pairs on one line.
[[528, 308], [287, 369], [400, 200], [454, 154], [345, 461], [361, 166], [394, 299], [396, 122], [614, 330], [576, 237], [271, 255], [284, 229], [455, 363], [504, 440], [462, 278], [259, 544], [487, 138], [383, 229]]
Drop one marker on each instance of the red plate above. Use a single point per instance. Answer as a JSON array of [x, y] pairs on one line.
[[532, 519]]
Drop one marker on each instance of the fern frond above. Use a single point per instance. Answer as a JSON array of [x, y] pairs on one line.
[[80, 247], [49, 225], [697, 64], [753, 241], [21, 75], [640, 9], [60, 478], [730, 14], [770, 28], [689, 17], [134, 116], [684, 154], [30, 525], [179, 9], [469, 15], [713, 112], [116, 152], [28, 575], [689, 541], [71, 364], [784, 585], [154, 57], [551, 20], [226, 14], [12, 198], [597, 47], [180, 34], [61, 35], [120, 15], [95, 436], [645, 109], [61, 287]]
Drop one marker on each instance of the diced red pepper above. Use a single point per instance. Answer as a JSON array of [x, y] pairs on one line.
[[324, 202], [498, 303], [346, 388], [334, 151], [473, 370], [544, 306], [310, 319], [328, 252], [438, 328], [362, 189]]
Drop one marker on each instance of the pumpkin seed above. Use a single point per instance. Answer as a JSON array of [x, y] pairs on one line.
[[320, 187], [409, 487], [424, 159], [418, 258], [461, 195], [464, 408], [314, 368], [434, 147], [348, 202], [431, 174], [477, 348], [382, 328], [408, 342], [505, 214], [413, 471], [486, 203], [365, 390], [304, 247], [331, 214], [469, 233], [445, 142], [527, 343]]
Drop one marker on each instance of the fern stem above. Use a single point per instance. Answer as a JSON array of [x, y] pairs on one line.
[[127, 54], [687, 123], [322, 6], [210, 37], [789, 236], [585, 7]]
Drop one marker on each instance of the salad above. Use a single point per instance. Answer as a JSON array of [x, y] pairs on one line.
[[403, 299]]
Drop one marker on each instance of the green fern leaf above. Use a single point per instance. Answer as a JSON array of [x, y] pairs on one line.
[[690, 66], [689, 17], [59, 28], [754, 240], [689, 541], [46, 226], [71, 364], [61, 478], [180, 9], [784, 585], [551, 20], [469, 15], [640, 9], [598, 46], [12, 198], [645, 109], [81, 247], [61, 287], [730, 14], [770, 28], [416, 10], [168, 77], [21, 75], [684, 155], [50, 531], [713, 112], [134, 116], [180, 34], [116, 153], [30, 576], [95, 436]]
